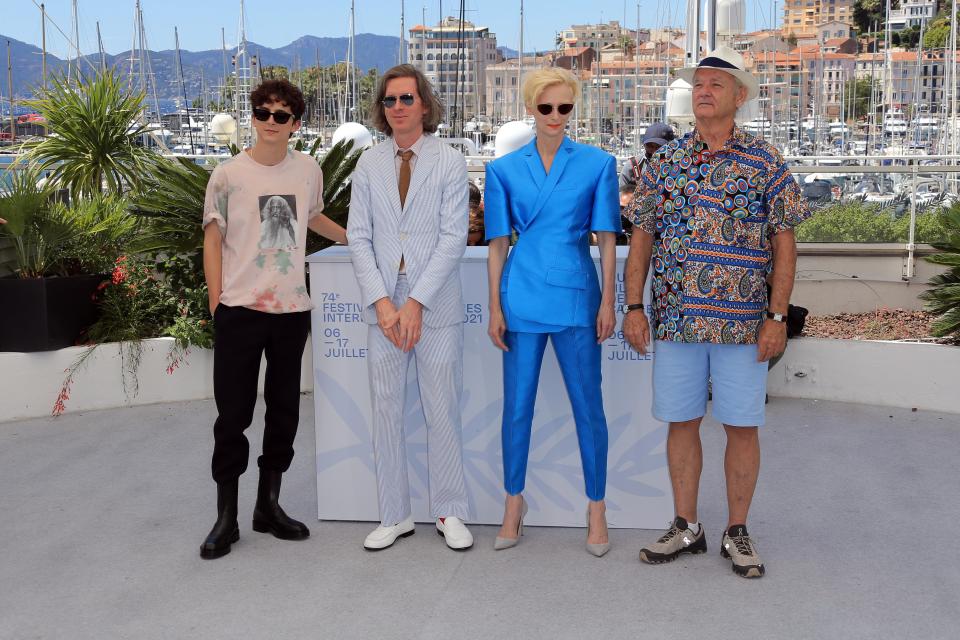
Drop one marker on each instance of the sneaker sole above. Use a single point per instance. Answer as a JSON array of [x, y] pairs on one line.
[[652, 557], [749, 571]]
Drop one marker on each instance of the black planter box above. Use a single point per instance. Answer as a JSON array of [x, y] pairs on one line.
[[42, 314]]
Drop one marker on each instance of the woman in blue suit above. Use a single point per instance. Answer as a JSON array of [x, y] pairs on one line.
[[553, 192]]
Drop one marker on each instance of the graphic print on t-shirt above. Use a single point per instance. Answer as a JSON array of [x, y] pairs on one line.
[[278, 215]]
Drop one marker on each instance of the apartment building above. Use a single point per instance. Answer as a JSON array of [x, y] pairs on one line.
[[802, 17], [502, 85], [806, 78], [455, 57], [912, 13], [598, 36]]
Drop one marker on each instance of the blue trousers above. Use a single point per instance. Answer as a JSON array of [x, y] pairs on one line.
[[579, 356]]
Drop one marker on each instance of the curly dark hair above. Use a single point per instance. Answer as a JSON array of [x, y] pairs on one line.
[[431, 102], [279, 91]]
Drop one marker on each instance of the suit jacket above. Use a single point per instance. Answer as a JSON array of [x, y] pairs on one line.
[[550, 277], [429, 232]]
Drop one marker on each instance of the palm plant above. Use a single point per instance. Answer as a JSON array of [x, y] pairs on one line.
[[96, 128], [943, 299], [36, 234], [337, 166], [103, 231], [172, 204]]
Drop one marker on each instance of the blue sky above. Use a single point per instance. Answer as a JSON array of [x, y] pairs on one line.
[[276, 23]]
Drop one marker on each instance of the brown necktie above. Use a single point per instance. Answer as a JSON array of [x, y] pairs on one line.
[[404, 174]]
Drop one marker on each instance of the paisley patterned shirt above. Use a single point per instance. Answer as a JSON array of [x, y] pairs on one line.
[[712, 215]]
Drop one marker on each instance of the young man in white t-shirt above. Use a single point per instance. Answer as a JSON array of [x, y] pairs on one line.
[[262, 202]]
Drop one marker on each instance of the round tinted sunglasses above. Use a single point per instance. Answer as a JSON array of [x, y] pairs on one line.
[[562, 109], [391, 101], [280, 117]]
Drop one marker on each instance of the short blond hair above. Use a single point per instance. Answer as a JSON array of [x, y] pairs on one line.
[[537, 81]]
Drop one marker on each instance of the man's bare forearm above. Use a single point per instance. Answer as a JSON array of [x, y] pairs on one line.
[[784, 246], [637, 265], [213, 262]]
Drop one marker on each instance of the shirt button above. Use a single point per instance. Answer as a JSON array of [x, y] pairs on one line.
[[403, 236]]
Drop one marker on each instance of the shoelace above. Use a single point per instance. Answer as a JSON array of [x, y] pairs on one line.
[[742, 543], [670, 534]]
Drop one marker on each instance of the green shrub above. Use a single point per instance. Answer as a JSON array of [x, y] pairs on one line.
[[864, 222]]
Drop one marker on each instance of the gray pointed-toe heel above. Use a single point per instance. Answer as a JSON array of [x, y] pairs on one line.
[[596, 549], [505, 543]]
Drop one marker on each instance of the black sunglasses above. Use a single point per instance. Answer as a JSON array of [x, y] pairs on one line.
[[391, 101], [562, 109], [280, 117]]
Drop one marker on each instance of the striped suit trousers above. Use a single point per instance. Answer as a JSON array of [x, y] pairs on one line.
[[439, 358]]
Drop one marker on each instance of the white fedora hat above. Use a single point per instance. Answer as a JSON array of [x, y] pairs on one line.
[[724, 59]]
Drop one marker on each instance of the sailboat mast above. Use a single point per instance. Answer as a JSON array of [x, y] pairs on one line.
[[183, 90], [13, 118], [953, 80], [43, 37], [520, 65], [351, 62], [103, 61], [76, 39], [401, 58], [223, 78], [636, 85]]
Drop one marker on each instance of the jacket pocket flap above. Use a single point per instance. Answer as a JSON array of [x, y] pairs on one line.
[[572, 279]]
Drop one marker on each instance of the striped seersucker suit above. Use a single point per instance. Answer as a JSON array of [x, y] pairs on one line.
[[429, 233]]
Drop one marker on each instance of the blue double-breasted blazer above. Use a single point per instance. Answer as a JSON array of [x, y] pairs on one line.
[[549, 278]]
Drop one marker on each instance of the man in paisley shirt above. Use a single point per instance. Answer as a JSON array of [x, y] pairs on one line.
[[714, 214]]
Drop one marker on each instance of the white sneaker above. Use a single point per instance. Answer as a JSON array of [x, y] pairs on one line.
[[456, 534], [383, 537]]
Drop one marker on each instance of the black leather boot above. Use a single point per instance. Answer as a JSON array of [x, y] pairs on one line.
[[225, 532], [268, 517]]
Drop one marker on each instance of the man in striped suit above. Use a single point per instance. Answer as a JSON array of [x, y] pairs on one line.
[[407, 231]]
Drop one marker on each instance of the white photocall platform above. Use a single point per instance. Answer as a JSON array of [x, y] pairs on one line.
[[638, 485]]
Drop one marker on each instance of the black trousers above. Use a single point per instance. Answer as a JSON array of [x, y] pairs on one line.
[[241, 337]]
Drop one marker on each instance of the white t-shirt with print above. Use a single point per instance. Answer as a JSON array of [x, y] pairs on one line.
[[262, 212]]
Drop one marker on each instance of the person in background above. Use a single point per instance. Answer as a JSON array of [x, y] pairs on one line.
[[475, 230], [626, 199], [656, 135]]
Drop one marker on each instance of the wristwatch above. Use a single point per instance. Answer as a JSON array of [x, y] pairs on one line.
[[627, 308], [779, 317]]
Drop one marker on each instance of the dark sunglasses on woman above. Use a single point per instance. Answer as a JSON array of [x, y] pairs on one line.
[[562, 109], [391, 101], [280, 117]]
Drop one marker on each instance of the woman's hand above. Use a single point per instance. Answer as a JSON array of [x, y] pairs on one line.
[[606, 322], [498, 326]]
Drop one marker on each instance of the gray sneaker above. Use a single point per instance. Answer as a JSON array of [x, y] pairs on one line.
[[742, 551], [678, 539]]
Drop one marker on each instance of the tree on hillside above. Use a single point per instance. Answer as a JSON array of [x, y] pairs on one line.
[[859, 90], [867, 13], [937, 33]]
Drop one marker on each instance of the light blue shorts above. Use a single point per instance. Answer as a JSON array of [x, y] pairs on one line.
[[681, 372]]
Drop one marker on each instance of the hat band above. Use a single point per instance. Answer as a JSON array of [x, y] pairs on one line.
[[718, 63]]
